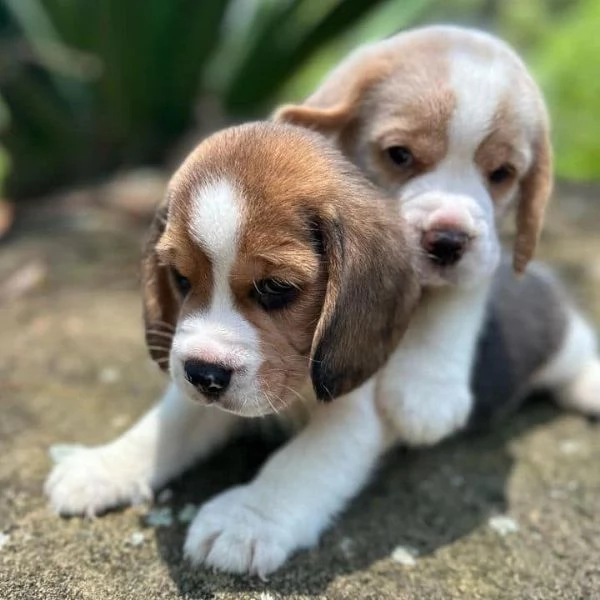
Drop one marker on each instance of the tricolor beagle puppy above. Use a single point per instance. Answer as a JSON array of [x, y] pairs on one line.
[[450, 123], [276, 276]]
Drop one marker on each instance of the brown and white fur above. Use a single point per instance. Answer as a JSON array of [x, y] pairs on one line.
[[274, 264], [449, 122]]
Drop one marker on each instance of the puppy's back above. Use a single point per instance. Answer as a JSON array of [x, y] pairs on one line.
[[525, 328]]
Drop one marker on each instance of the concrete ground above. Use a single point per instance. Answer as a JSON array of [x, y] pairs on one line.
[[510, 514]]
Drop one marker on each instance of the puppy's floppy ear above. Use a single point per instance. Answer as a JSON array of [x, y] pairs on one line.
[[371, 292], [337, 101], [534, 195], [160, 302], [325, 120]]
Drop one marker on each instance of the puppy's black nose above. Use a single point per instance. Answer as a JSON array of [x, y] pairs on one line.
[[445, 247], [211, 380]]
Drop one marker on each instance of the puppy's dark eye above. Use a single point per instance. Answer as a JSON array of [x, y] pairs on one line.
[[401, 156], [182, 283], [501, 174], [273, 294]]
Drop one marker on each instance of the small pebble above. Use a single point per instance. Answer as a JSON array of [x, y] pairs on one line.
[[160, 517], [187, 513], [405, 556], [137, 538], [58, 452], [109, 375], [4, 539], [503, 525], [266, 596], [569, 447]]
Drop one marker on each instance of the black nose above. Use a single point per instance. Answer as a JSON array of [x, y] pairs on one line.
[[445, 247], [212, 380]]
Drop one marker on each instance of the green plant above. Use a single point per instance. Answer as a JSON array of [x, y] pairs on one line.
[[566, 62], [93, 85], [560, 42]]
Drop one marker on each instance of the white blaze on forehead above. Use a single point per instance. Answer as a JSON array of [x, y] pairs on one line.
[[218, 333], [215, 223], [479, 83]]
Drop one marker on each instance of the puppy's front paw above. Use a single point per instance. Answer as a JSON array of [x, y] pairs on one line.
[[428, 417], [231, 533], [89, 481]]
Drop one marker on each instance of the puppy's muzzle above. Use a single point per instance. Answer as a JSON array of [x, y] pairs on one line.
[[209, 379], [445, 247]]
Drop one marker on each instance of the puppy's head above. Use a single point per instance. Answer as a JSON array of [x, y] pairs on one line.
[[450, 122], [273, 261]]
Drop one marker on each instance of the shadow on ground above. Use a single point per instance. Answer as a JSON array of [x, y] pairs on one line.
[[422, 500]]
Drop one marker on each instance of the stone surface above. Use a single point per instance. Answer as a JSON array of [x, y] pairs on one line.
[[73, 369]]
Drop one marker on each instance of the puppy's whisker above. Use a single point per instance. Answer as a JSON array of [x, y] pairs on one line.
[[267, 396], [265, 384], [275, 410], [296, 393], [290, 372]]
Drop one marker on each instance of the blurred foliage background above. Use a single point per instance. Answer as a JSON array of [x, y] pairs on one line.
[[92, 86]]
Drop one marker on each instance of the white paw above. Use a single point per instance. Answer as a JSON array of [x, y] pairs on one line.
[[429, 418], [231, 533], [89, 481]]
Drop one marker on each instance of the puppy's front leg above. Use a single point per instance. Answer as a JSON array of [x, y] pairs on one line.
[[159, 446], [425, 388], [255, 527]]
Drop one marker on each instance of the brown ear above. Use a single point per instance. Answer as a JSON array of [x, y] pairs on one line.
[[370, 295], [324, 120], [535, 193], [337, 100], [160, 302]]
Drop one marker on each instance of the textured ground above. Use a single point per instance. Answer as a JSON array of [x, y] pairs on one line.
[[73, 369]]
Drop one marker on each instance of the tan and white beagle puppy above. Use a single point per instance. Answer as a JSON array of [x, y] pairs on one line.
[[449, 122], [273, 265]]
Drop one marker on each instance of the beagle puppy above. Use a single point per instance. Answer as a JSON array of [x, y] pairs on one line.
[[275, 275], [449, 122]]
